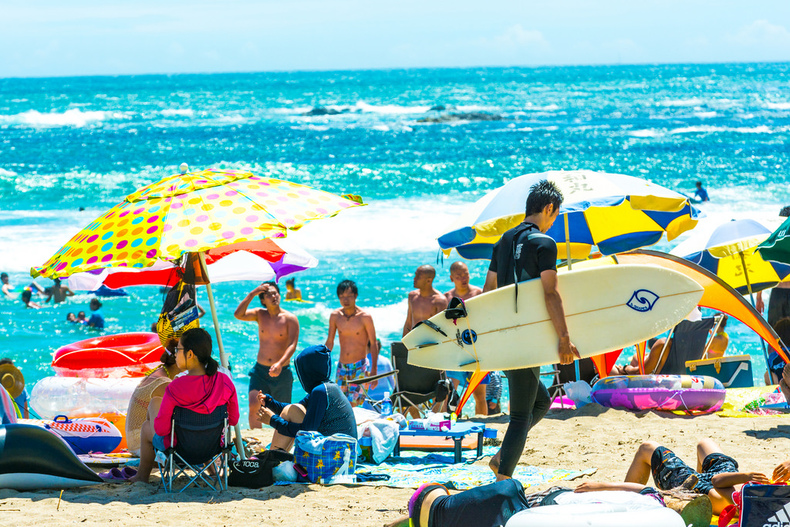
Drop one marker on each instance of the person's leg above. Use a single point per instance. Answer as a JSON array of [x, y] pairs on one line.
[[705, 447], [639, 471], [254, 407], [524, 386], [481, 407], [293, 413], [147, 453]]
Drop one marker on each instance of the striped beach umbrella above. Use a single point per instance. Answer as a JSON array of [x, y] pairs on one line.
[[614, 212]]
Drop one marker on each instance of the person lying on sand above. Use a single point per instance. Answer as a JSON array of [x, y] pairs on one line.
[[493, 505], [716, 473]]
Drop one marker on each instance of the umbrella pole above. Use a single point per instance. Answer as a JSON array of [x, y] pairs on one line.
[[751, 295], [223, 359]]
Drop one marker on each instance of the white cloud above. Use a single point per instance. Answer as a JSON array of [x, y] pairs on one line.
[[516, 38], [761, 33]]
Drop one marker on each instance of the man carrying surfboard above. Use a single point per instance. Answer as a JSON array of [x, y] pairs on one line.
[[523, 253]]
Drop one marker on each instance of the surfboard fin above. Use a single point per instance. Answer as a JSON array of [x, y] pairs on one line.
[[426, 345], [432, 326], [473, 361]]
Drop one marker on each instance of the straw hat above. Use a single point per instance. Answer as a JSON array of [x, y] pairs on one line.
[[12, 379]]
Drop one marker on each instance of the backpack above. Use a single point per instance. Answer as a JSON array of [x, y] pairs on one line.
[[258, 471], [179, 313]]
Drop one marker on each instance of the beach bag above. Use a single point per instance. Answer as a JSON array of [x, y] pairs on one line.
[[256, 472], [759, 506], [179, 313], [325, 458]]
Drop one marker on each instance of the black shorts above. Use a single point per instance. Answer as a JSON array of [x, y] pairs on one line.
[[278, 387], [669, 471]]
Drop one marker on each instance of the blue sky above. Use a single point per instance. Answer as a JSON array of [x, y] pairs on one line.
[[82, 37]]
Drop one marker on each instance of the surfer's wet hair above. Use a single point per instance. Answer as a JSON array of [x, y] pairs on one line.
[[346, 285], [543, 193]]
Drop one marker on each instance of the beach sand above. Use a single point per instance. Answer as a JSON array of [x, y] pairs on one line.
[[591, 437]]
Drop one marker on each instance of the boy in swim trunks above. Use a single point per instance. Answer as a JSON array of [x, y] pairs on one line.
[[356, 332]]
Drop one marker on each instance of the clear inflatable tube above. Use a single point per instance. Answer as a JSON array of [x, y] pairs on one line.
[[80, 397]]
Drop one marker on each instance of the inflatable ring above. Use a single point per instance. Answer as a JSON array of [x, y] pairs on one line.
[[689, 393], [122, 355], [84, 435]]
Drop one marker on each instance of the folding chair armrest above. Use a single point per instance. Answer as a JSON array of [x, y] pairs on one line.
[[372, 378]]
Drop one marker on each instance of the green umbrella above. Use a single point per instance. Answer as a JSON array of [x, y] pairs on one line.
[[777, 246]]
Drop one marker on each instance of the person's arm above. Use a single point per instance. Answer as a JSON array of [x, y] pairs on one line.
[[782, 472], [759, 305], [25, 411], [292, 323], [273, 404], [566, 349], [330, 338], [593, 486], [67, 292], [490, 284], [201, 311], [233, 402], [730, 479], [242, 312], [374, 349], [407, 325], [317, 403]]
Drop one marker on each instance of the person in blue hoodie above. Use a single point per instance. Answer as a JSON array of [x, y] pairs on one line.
[[325, 410]]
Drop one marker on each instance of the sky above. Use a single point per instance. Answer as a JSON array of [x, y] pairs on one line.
[[50, 38]]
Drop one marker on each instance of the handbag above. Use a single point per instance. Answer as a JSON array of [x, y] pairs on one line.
[[179, 313], [325, 458], [256, 472]]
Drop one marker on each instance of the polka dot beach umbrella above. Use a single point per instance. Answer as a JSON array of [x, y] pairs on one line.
[[188, 215], [191, 213]]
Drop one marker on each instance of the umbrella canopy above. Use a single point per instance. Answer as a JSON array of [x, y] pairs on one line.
[[776, 247], [270, 261], [611, 211], [725, 248], [191, 213]]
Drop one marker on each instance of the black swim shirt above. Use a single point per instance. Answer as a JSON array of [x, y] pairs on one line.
[[524, 246]]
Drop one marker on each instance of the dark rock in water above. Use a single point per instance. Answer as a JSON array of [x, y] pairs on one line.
[[320, 110], [438, 108], [471, 116]]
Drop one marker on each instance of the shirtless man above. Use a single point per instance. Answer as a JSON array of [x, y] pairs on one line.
[[426, 301], [8, 288], [356, 332], [278, 334], [57, 292], [459, 275]]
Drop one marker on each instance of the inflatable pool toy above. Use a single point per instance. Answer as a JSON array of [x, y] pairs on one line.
[[121, 355], [78, 397], [84, 435], [32, 458], [690, 393], [599, 509]]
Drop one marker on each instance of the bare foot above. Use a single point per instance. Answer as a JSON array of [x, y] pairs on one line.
[[136, 478]]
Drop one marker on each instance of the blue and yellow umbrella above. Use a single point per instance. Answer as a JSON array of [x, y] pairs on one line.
[[614, 212]]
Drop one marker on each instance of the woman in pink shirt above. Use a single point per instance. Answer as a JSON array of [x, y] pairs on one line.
[[201, 389]]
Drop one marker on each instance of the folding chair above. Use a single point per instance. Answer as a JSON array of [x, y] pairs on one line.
[[202, 441], [689, 342], [414, 385], [364, 381]]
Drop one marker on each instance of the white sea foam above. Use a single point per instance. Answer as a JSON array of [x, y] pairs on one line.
[[178, 112], [7, 173], [778, 105], [389, 109], [705, 115], [680, 102], [547, 108], [724, 129], [73, 117], [646, 133]]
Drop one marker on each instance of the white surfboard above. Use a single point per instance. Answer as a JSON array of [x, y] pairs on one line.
[[606, 308]]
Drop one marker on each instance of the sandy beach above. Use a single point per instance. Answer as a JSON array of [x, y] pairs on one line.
[[591, 437]]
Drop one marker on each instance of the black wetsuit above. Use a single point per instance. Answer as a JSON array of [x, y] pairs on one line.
[[522, 253]]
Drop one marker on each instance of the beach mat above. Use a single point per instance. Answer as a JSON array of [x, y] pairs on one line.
[[413, 468], [436, 443]]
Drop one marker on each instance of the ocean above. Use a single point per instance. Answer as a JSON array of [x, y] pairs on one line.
[[70, 148]]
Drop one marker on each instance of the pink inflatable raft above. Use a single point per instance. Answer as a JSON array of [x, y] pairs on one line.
[[689, 393]]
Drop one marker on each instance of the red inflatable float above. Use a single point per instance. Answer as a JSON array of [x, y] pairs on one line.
[[122, 355]]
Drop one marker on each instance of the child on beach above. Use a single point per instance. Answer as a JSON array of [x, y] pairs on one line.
[[325, 410], [13, 381], [202, 389]]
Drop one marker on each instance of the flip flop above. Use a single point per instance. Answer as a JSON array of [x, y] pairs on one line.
[[113, 474]]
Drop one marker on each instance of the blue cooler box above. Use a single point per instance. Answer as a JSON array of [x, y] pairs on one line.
[[733, 372]]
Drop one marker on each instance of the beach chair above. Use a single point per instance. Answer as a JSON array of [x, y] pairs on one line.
[[689, 342], [415, 386], [375, 404], [201, 452]]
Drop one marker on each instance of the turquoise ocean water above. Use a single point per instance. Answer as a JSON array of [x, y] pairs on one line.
[[71, 143]]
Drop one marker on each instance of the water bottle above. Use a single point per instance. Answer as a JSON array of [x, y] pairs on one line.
[[386, 404]]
